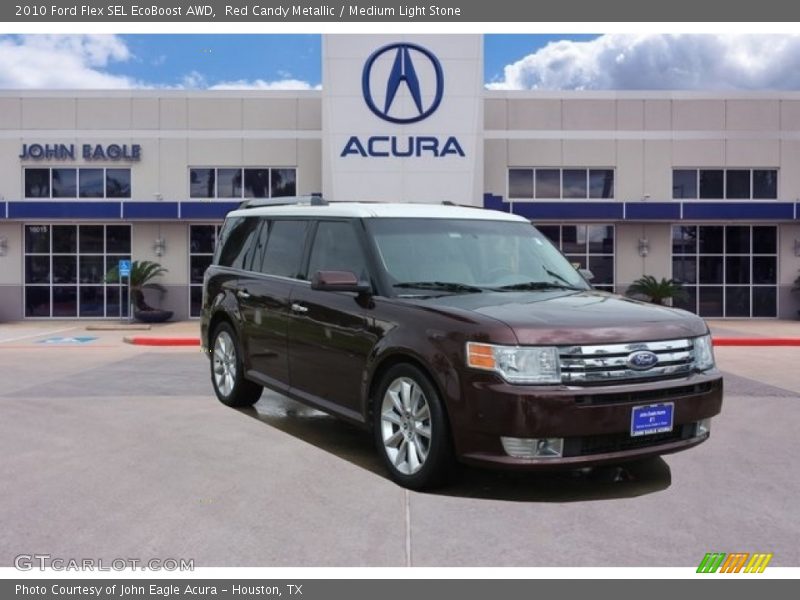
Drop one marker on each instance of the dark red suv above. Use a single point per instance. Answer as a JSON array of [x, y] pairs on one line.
[[450, 332]]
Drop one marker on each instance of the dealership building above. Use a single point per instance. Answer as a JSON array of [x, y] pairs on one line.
[[700, 187]]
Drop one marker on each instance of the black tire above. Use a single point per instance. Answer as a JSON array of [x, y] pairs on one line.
[[396, 427], [227, 370]]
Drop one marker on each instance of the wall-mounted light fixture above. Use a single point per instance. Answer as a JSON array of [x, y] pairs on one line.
[[644, 247], [3, 245], [158, 196], [159, 246], [646, 197]]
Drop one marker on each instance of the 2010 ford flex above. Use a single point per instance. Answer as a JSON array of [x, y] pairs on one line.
[[450, 333]]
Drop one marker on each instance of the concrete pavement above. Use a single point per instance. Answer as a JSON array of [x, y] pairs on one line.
[[112, 450]]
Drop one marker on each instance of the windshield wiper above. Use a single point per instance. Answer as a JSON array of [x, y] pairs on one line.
[[540, 285], [446, 286]]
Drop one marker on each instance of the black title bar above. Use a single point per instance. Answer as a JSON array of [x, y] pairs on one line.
[[457, 11]]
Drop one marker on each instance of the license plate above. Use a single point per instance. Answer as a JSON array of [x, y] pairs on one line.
[[655, 418]]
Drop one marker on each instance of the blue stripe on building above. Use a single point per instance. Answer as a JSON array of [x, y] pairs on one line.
[[111, 211], [64, 210], [647, 211], [150, 210], [652, 211], [206, 210], [738, 210], [569, 210]]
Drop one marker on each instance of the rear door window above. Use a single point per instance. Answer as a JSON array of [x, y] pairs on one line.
[[285, 245]]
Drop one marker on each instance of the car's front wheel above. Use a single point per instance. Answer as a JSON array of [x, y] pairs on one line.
[[411, 429], [227, 370]]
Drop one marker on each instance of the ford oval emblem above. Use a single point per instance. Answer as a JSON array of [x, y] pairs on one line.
[[642, 360]]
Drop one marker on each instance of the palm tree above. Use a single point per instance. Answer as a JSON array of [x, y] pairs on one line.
[[142, 274], [657, 291]]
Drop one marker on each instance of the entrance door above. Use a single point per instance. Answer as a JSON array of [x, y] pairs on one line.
[[65, 269]]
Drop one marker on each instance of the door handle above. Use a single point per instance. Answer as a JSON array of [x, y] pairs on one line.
[[299, 308], [243, 294]]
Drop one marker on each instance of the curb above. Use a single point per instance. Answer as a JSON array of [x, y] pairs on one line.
[[195, 341], [162, 341]]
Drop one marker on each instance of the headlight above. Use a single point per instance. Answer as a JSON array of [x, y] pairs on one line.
[[516, 364], [703, 353]]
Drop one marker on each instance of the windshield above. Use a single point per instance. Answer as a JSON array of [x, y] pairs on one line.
[[473, 254]]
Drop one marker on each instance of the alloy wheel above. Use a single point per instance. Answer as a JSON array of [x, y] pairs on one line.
[[406, 425], [224, 363]]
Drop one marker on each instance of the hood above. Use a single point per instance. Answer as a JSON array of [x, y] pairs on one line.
[[565, 317]]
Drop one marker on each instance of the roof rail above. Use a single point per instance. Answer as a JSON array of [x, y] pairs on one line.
[[311, 200]]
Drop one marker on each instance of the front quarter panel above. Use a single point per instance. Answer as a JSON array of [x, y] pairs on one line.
[[433, 338]]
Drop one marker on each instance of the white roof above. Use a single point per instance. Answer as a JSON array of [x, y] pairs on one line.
[[378, 210]]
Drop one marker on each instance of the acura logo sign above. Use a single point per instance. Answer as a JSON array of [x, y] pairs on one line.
[[414, 69]]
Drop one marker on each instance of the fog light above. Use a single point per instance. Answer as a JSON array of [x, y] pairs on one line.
[[703, 428], [533, 447]]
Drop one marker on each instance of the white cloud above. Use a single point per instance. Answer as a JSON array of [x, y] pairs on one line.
[[260, 84], [195, 80], [681, 62], [62, 61], [80, 62]]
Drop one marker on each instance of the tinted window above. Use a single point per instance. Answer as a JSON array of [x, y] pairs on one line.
[[229, 183], [711, 183], [684, 183], [65, 239], [201, 183], [737, 239], [37, 183], [336, 248], [764, 240], [737, 184], [92, 183], [574, 183], [237, 244], [601, 183], [118, 183], [37, 239], [256, 183], [91, 239], [520, 183], [285, 248], [765, 184], [283, 182], [201, 239], [118, 239], [65, 183], [548, 183]]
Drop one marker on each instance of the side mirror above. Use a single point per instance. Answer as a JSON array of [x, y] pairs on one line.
[[338, 281], [587, 274]]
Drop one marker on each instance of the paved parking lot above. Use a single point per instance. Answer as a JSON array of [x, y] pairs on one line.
[[112, 450]]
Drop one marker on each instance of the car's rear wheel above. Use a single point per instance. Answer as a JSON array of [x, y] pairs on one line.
[[227, 370], [411, 429]]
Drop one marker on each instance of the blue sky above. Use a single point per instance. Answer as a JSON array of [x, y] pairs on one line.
[[166, 59], [648, 61]]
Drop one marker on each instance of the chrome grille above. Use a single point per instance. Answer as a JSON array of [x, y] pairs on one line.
[[609, 363]]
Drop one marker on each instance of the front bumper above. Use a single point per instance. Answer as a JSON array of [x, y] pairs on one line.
[[594, 421]]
